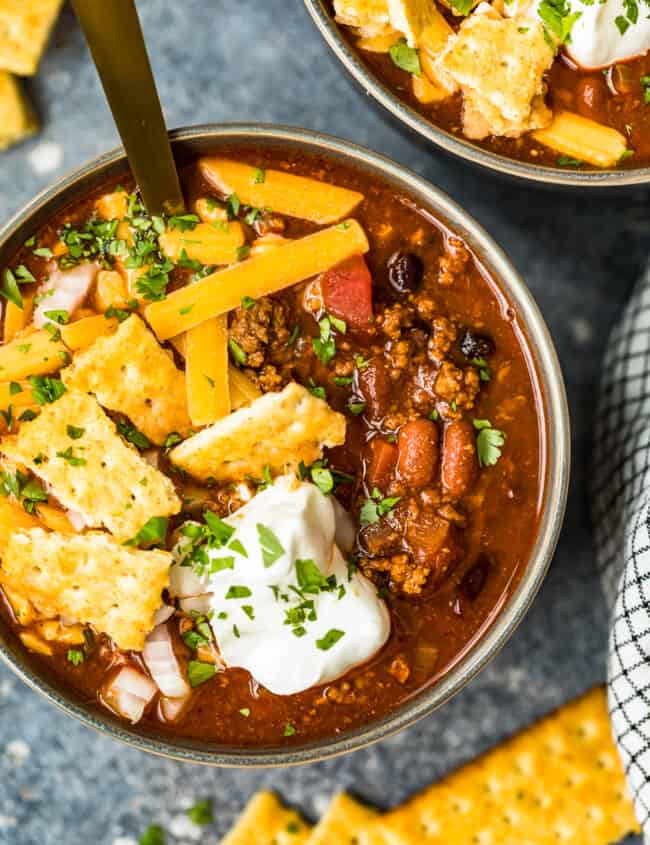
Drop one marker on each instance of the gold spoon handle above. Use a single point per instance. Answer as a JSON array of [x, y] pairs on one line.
[[117, 46]]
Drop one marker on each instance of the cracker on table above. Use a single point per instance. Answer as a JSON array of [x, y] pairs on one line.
[[25, 26], [17, 118], [277, 430], [344, 823], [265, 821], [560, 780], [89, 578], [128, 371], [114, 487]]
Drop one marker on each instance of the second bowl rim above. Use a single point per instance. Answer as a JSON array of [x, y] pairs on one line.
[[462, 148], [556, 464]]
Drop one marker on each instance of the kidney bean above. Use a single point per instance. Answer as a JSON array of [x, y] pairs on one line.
[[417, 452], [459, 461], [591, 98], [474, 579], [405, 271], [375, 385], [474, 345], [382, 457]]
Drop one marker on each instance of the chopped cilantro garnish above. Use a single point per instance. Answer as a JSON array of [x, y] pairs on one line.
[[324, 346], [14, 388], [237, 352], [43, 252], [120, 313], [220, 530], [172, 439], [58, 316], [405, 57], [289, 729], [198, 672], [154, 531], [247, 302], [558, 18], [133, 435], [232, 206], [272, 549], [259, 176], [75, 433], [238, 592], [70, 458], [330, 639], [245, 712], [488, 442], [46, 389], [567, 161], [294, 334], [317, 390], [75, 656], [248, 610], [310, 578], [184, 222], [374, 508], [153, 835], [342, 381], [356, 408], [200, 813], [10, 289]]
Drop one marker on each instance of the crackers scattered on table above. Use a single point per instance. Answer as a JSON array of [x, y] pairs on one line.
[[89, 578], [74, 447], [130, 372], [265, 821], [17, 118], [25, 27], [278, 431], [560, 780]]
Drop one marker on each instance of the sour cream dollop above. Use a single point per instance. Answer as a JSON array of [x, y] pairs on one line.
[[283, 604], [597, 40]]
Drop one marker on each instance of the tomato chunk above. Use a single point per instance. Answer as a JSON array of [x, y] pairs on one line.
[[347, 292], [381, 462]]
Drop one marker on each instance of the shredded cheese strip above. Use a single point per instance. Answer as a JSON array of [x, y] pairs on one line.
[[264, 274], [34, 354], [18, 394], [16, 319], [83, 333], [13, 517], [583, 139], [284, 193], [242, 389], [204, 243], [206, 371]]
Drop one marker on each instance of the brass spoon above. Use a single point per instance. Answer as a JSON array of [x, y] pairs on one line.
[[117, 46]]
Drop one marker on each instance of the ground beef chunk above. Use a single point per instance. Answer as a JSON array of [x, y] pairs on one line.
[[262, 333], [457, 387], [403, 576], [398, 354], [268, 224], [443, 336], [453, 262], [400, 669], [393, 319]]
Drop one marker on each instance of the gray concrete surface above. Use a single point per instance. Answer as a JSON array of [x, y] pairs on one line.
[[223, 60]]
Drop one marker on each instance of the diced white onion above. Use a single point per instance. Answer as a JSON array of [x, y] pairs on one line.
[[184, 582], [128, 693], [163, 614], [64, 290], [172, 709], [196, 604], [76, 520], [162, 663]]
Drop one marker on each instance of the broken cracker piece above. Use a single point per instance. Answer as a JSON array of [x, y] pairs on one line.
[[25, 26], [17, 118], [277, 430], [559, 780], [344, 822], [89, 578], [265, 821], [128, 371], [411, 17], [96, 474], [370, 16], [499, 65]]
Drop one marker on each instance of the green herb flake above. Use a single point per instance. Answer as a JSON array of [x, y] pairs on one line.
[[198, 672], [70, 458], [489, 442], [237, 352], [201, 813], [238, 592], [14, 388], [75, 433], [272, 549], [245, 712], [133, 435], [247, 302], [153, 835], [289, 729], [75, 656], [154, 531], [330, 639], [259, 176], [405, 57]]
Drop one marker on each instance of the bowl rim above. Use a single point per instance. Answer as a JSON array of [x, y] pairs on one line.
[[461, 147], [557, 458]]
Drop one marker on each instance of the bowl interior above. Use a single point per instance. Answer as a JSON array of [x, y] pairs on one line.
[[187, 144], [385, 96]]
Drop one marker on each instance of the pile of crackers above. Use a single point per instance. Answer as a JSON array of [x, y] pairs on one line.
[[560, 781], [25, 27]]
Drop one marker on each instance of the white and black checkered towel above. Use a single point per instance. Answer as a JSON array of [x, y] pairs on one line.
[[621, 505]]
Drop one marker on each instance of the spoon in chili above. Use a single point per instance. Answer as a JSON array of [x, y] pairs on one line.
[[116, 42]]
